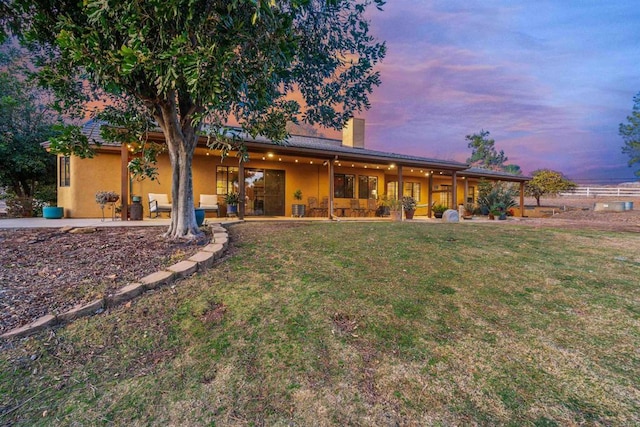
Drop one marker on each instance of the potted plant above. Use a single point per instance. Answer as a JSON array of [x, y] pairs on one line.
[[409, 206], [498, 211], [232, 199], [395, 209], [383, 207], [438, 209], [52, 212], [469, 208], [297, 209], [104, 197]]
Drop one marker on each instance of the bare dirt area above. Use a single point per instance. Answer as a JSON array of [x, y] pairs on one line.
[[50, 271], [578, 213]]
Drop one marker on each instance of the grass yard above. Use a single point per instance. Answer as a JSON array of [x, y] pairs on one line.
[[357, 324]]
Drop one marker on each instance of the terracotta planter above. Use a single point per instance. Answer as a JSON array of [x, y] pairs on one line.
[[409, 214]]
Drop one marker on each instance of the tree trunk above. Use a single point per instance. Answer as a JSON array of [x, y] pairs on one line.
[[538, 200], [181, 142]]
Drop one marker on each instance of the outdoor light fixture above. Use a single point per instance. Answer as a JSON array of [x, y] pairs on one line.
[[325, 163], [270, 155]]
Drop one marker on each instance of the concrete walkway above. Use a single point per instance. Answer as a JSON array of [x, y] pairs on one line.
[[78, 222]]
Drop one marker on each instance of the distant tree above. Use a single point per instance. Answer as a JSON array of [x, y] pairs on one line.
[[546, 182], [483, 151], [512, 169], [485, 155], [189, 66], [24, 124], [630, 132]]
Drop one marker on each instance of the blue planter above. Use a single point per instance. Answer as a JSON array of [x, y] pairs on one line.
[[199, 216], [232, 210], [52, 212]]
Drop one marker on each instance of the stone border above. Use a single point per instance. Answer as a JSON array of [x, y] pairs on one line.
[[199, 262]]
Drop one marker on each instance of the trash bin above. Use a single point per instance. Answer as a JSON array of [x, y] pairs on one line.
[[135, 211]]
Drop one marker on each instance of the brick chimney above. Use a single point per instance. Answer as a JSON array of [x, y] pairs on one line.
[[353, 133]]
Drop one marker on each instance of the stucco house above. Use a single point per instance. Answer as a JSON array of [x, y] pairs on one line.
[[344, 174]]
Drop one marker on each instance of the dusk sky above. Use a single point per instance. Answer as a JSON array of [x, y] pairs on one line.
[[551, 81]]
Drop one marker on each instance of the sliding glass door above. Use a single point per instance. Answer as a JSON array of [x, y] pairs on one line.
[[264, 191]]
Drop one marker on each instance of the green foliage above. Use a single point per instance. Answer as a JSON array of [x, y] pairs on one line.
[[439, 208], [297, 194], [483, 151], [630, 133], [547, 182], [232, 199], [190, 67], [409, 203], [24, 124], [501, 196]]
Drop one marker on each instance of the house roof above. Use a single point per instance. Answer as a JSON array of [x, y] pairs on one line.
[[333, 149], [476, 172]]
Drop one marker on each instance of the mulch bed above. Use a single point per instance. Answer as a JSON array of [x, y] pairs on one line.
[[50, 271]]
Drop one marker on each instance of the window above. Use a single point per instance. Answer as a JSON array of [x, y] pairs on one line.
[[343, 186], [227, 180], [471, 195], [65, 171], [367, 187], [411, 189], [445, 194]]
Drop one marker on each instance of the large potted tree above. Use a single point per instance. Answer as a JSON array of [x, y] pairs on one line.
[[298, 209]]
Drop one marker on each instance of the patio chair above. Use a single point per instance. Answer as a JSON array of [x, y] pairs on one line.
[[209, 202], [324, 207], [356, 210], [158, 202], [314, 208]]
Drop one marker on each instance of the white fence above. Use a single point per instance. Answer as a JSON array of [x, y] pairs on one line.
[[603, 192]]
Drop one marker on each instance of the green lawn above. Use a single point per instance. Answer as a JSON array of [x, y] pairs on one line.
[[358, 324]]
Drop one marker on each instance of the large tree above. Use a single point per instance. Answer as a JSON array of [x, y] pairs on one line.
[[24, 124], [547, 182], [630, 133], [188, 66]]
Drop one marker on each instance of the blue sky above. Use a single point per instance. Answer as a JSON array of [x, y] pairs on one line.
[[551, 81]]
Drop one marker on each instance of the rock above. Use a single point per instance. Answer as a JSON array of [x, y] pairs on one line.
[[451, 215], [66, 229], [83, 230]]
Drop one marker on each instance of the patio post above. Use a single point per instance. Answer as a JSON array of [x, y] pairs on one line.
[[331, 188], [400, 188], [241, 193], [454, 189], [430, 195], [124, 181], [522, 199]]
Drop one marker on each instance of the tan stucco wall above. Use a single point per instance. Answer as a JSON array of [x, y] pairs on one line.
[[88, 176], [103, 173]]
